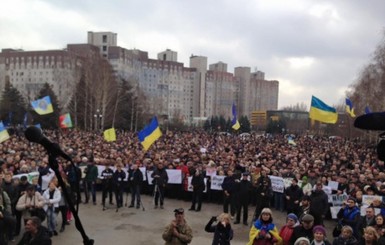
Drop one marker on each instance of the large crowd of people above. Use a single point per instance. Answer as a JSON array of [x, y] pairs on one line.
[[247, 164]]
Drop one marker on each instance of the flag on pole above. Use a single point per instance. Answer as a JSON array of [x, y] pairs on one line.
[[367, 110], [290, 141], [42, 106], [234, 123], [65, 121], [150, 134], [25, 120], [109, 135], [3, 133], [322, 112], [349, 107]]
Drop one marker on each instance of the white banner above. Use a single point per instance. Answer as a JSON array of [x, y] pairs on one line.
[[216, 182], [190, 187], [30, 176], [174, 176], [211, 171], [277, 183]]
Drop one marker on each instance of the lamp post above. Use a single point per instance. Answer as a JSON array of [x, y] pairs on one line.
[[98, 120]]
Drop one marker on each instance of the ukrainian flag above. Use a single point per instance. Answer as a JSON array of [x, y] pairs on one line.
[[349, 107], [3, 133], [42, 106], [109, 135], [150, 134], [234, 123], [65, 121], [322, 112]]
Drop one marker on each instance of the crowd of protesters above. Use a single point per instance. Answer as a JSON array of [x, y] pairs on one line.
[[245, 161]]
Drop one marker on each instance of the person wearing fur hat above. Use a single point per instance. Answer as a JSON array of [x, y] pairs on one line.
[[319, 233], [264, 231], [349, 214], [287, 230], [302, 241]]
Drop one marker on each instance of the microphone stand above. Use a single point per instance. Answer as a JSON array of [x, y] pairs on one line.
[[55, 166]]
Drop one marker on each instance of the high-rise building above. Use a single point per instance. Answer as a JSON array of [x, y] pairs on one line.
[[102, 40], [170, 89], [28, 71]]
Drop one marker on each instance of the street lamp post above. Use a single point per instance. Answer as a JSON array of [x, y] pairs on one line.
[[98, 120]]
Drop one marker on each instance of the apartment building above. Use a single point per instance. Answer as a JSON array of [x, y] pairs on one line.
[[29, 70], [171, 89]]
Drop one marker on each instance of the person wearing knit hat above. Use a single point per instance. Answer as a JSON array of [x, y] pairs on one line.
[[306, 186], [264, 231], [302, 241], [287, 230]]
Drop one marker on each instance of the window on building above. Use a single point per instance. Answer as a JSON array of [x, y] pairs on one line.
[[104, 38], [104, 48]]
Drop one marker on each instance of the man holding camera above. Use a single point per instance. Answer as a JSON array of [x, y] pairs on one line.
[[178, 232]]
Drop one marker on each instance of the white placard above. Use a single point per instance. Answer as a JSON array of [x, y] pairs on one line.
[[287, 182], [277, 183], [333, 185], [211, 171], [334, 211], [30, 176], [368, 199], [337, 200], [216, 182]]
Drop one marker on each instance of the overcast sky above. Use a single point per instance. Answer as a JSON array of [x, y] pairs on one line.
[[313, 47]]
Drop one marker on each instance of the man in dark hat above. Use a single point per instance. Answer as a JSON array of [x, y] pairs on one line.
[[178, 232], [303, 230], [243, 189]]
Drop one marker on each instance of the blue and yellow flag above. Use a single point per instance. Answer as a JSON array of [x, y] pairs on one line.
[[322, 112], [349, 107], [42, 106], [150, 134], [109, 135], [291, 141], [367, 110], [3, 133], [234, 123]]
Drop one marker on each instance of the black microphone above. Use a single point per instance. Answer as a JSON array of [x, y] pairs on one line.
[[371, 121], [35, 134]]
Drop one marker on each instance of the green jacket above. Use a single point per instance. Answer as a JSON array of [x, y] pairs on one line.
[[185, 235], [91, 173]]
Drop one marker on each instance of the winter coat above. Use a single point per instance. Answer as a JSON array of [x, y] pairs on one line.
[[185, 235], [41, 238], [260, 229], [222, 235], [36, 201], [54, 201]]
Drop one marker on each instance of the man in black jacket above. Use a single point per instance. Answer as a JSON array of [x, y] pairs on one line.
[[228, 187], [243, 189], [35, 233], [160, 180], [198, 185], [119, 177], [319, 204], [108, 184], [293, 195], [303, 230], [135, 179]]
